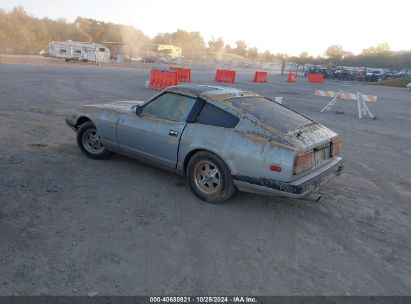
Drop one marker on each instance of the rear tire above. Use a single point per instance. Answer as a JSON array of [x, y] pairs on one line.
[[210, 178], [89, 142]]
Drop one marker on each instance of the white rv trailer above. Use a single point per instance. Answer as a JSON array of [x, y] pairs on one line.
[[86, 51]]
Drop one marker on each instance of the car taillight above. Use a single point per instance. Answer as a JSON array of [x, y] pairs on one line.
[[276, 168], [335, 146], [303, 162]]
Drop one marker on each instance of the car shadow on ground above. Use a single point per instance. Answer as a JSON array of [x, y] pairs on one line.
[[239, 199]]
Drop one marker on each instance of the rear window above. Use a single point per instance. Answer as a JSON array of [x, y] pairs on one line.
[[270, 112]]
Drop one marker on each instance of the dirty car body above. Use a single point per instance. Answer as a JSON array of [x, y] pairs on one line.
[[268, 148]]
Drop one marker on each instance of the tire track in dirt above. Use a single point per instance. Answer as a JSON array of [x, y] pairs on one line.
[[389, 283]]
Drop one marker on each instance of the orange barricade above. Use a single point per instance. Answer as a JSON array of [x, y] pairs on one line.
[[225, 76], [260, 77], [183, 74], [292, 77], [319, 78], [160, 79]]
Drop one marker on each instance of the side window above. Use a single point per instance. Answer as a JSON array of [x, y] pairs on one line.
[[170, 106], [212, 115]]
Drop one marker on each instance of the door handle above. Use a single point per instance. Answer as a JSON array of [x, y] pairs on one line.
[[173, 133]]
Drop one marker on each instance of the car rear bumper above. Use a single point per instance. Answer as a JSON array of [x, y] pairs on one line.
[[296, 189]]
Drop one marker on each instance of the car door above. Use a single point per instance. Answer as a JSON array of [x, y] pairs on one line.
[[154, 134]]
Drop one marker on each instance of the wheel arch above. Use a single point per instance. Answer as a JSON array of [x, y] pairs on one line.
[[190, 154], [81, 120]]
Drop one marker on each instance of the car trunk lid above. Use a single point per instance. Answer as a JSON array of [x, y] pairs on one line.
[[316, 146], [312, 136]]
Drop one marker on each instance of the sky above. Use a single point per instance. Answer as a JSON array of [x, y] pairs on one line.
[[283, 26]]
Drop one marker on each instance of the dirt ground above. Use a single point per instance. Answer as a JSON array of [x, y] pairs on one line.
[[73, 226]]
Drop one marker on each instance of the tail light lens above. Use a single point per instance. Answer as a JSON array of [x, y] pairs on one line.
[[276, 168], [335, 146], [303, 162]]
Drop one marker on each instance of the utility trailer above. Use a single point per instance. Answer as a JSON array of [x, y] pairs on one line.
[[84, 51]]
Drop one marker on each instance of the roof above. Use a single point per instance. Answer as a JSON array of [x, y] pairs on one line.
[[193, 88], [216, 93]]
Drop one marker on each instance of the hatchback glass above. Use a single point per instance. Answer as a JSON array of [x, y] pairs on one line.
[[271, 113]]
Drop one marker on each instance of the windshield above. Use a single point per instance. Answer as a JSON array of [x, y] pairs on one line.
[[270, 112]]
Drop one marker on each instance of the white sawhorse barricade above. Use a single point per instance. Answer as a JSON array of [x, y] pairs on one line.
[[363, 109]]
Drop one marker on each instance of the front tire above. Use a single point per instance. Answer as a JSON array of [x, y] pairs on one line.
[[89, 142], [209, 177]]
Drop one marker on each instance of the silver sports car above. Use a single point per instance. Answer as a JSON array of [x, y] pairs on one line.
[[221, 138]]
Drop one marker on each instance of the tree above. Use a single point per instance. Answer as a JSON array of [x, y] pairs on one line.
[[219, 44], [228, 48], [368, 51], [20, 32], [211, 45], [282, 56], [267, 56], [348, 54], [304, 57], [380, 50], [241, 48], [252, 53], [192, 43], [334, 51], [216, 45], [383, 49]]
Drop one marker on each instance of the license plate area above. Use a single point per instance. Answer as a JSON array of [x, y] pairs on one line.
[[321, 154], [318, 157]]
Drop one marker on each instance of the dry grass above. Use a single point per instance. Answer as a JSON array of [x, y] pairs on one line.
[[399, 82]]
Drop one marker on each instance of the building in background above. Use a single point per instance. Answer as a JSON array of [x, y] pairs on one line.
[[169, 50]]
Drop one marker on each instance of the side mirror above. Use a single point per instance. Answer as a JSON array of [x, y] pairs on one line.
[[138, 109]]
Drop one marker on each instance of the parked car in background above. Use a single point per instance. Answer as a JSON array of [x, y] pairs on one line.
[[388, 76], [328, 73], [374, 75], [400, 74], [360, 74], [151, 59], [271, 66], [342, 74], [221, 138]]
